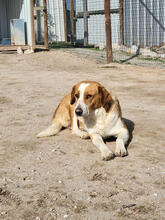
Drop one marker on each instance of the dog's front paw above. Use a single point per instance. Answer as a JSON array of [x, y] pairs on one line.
[[84, 135], [81, 134], [107, 155], [121, 152]]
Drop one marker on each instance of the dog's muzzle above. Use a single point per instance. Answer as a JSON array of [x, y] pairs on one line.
[[78, 111]]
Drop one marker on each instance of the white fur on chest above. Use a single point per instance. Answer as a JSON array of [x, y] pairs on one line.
[[102, 123]]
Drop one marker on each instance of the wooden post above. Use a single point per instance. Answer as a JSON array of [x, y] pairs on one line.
[[32, 23], [72, 20], [121, 22], [65, 22], [85, 10], [108, 31], [45, 25]]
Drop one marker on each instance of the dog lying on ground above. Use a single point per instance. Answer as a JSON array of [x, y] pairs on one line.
[[91, 111]]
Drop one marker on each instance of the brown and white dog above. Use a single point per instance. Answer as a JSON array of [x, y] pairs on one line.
[[91, 111]]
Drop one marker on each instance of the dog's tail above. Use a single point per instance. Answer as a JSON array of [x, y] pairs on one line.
[[51, 130]]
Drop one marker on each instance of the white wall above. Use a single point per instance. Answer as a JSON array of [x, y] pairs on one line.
[[55, 20]]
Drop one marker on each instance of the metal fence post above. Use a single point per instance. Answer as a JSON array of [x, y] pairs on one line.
[[108, 31], [85, 23], [45, 24], [32, 24], [72, 20], [65, 20], [121, 22]]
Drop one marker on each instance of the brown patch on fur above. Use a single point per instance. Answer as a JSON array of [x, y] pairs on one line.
[[94, 101], [72, 100], [106, 99], [54, 115], [62, 112], [71, 113], [116, 105], [124, 123], [118, 108]]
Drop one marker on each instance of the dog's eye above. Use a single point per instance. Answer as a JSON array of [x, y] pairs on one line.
[[88, 96], [77, 96]]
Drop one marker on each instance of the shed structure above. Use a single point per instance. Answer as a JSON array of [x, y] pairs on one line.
[[17, 20], [141, 23]]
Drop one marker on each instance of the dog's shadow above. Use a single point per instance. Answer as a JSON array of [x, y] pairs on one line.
[[130, 125]]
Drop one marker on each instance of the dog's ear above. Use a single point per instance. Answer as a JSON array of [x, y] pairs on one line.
[[106, 98], [72, 100]]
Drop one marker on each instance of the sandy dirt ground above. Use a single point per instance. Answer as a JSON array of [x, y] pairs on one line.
[[63, 177]]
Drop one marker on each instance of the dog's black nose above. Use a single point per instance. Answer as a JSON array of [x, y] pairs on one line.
[[78, 111]]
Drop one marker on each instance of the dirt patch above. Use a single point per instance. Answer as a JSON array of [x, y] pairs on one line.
[[63, 177]]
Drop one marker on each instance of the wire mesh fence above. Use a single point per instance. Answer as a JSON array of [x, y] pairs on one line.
[[137, 27], [143, 31]]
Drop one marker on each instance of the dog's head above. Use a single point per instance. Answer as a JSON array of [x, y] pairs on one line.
[[89, 96]]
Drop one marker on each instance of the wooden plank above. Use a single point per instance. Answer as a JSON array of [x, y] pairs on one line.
[[23, 47], [96, 12], [32, 23], [121, 22], [108, 31], [85, 16], [39, 8], [13, 47], [45, 25], [72, 21], [42, 47], [65, 21]]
